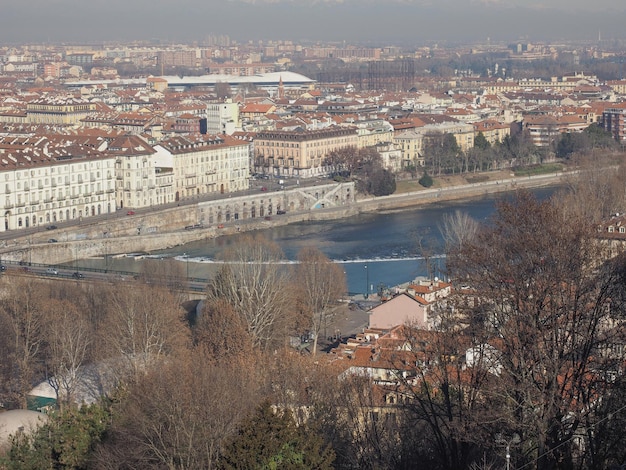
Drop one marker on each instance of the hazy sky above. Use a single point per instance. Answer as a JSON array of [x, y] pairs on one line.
[[384, 21]]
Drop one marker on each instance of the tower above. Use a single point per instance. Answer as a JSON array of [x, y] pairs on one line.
[[281, 88]]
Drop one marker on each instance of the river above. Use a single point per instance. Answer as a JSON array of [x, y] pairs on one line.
[[375, 249]]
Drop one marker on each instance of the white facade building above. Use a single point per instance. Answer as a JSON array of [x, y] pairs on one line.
[[223, 118], [135, 170], [43, 189]]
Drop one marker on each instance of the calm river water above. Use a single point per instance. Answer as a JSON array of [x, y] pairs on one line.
[[374, 248]]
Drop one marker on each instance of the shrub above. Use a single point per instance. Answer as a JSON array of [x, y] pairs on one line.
[[426, 181]]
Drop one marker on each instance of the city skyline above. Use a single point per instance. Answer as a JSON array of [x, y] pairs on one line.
[[391, 21]]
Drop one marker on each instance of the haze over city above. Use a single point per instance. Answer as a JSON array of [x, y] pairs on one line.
[[323, 20]]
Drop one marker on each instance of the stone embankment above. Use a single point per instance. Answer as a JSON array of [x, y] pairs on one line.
[[161, 229]]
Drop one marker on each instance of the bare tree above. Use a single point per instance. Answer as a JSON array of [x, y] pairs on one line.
[[321, 285], [23, 306], [457, 228], [68, 339], [552, 311], [364, 431], [447, 399], [595, 193], [257, 283], [178, 415], [221, 332], [167, 273], [144, 324], [344, 160]]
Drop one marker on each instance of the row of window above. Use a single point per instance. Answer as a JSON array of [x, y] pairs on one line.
[[57, 169]]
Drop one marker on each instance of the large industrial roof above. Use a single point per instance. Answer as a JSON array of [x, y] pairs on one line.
[[262, 79]]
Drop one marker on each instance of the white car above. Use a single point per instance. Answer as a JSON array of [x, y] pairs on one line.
[[52, 271]]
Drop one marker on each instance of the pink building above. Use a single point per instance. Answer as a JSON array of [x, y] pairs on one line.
[[402, 309]]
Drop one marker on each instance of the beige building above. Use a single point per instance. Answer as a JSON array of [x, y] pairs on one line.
[[493, 131], [373, 132], [204, 164], [411, 142], [58, 110], [300, 152]]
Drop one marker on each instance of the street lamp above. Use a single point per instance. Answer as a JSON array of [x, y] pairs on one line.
[[515, 439], [367, 281]]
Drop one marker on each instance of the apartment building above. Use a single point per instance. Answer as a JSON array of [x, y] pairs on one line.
[[411, 142], [44, 185], [135, 172], [372, 132], [492, 130], [544, 130], [300, 152], [613, 121], [204, 164], [58, 110]]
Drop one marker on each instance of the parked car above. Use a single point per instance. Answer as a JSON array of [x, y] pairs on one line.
[[52, 272], [52, 240], [263, 188], [51, 227], [3, 267], [77, 275], [267, 217], [130, 213], [280, 212]]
